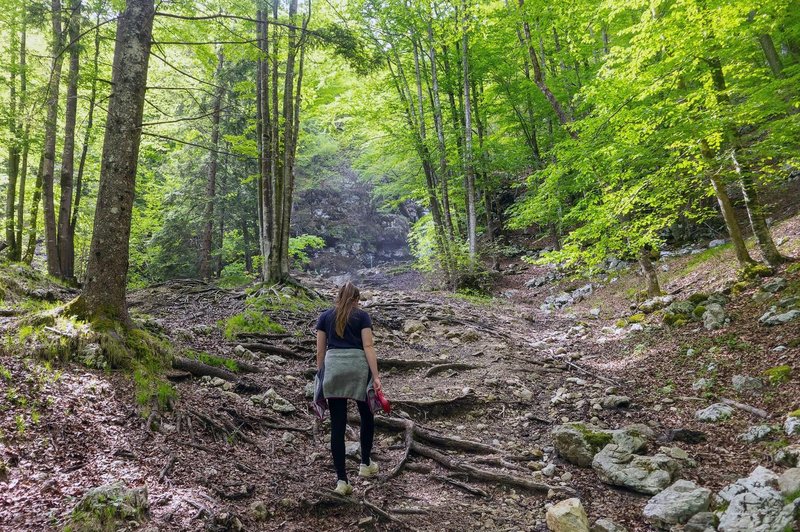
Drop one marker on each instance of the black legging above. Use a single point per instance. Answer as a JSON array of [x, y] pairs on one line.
[[338, 409]]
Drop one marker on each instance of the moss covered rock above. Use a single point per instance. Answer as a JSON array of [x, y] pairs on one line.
[[109, 507]]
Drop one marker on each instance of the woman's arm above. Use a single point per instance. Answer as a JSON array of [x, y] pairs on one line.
[[322, 343], [372, 357]]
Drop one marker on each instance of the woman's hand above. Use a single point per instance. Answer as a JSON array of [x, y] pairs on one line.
[[376, 384]]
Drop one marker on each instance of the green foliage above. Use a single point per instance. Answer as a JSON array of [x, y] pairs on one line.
[[235, 276], [212, 360], [778, 374], [250, 321], [298, 246]]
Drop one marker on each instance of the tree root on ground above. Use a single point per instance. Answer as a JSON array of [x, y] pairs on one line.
[[404, 364], [322, 499], [260, 347], [199, 369], [444, 367], [434, 407]]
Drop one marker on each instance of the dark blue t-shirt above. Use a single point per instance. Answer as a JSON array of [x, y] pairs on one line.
[[352, 332]]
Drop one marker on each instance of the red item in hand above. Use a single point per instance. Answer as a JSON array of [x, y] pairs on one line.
[[385, 404]]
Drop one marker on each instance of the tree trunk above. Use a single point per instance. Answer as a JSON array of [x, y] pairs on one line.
[[37, 197], [103, 295], [649, 272], [49, 148], [758, 221], [771, 54], [726, 208], [469, 169], [211, 183], [458, 127], [13, 143], [437, 121], [23, 110], [66, 244], [87, 136]]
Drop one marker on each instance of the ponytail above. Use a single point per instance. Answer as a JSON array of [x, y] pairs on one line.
[[345, 303]]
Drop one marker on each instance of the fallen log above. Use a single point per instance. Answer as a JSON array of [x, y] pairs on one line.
[[444, 367], [260, 347], [439, 406], [747, 408], [198, 369]]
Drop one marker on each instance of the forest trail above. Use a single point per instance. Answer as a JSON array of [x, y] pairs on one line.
[[484, 382]]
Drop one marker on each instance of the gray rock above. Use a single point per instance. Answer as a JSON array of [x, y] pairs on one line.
[[761, 297], [607, 525], [109, 507], [789, 302], [655, 303], [746, 383], [716, 243], [567, 516], [683, 308], [789, 483], [714, 317], [772, 317], [309, 391], [676, 504], [715, 412], [774, 285], [792, 425], [756, 433], [615, 401], [217, 381], [595, 312], [702, 384], [701, 522], [755, 504], [788, 456], [577, 443], [617, 466], [282, 406], [412, 326], [549, 470], [718, 298]]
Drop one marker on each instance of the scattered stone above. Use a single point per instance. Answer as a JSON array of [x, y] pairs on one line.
[[716, 243], [714, 317], [566, 477], [217, 381], [756, 433], [755, 504], [617, 466], [761, 297], [109, 507], [413, 326], [615, 401], [607, 525], [771, 317], [595, 312], [567, 516], [789, 483], [792, 423], [549, 470], [702, 384], [788, 456], [715, 412], [309, 390], [774, 285], [746, 383], [577, 443], [259, 511], [656, 303], [701, 522], [676, 504]]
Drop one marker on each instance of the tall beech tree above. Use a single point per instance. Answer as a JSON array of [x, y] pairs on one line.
[[103, 295]]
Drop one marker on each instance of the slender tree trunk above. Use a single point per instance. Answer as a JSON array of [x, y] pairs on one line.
[[649, 272], [87, 136], [23, 112], [222, 215], [538, 78], [211, 183], [13, 143], [455, 118], [773, 59], [469, 169], [32, 228], [49, 148], [103, 295], [726, 208], [66, 244], [758, 221]]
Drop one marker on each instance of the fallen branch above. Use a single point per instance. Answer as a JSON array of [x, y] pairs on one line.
[[260, 347], [400, 363], [747, 408], [461, 485], [430, 436], [167, 468], [439, 406], [444, 367], [198, 369]]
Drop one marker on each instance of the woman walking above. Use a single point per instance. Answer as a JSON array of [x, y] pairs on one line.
[[348, 366]]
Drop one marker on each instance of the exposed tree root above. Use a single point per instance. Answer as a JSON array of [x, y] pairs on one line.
[[258, 337], [444, 367], [439, 406], [463, 486], [198, 369], [747, 408], [403, 364], [323, 499], [260, 347]]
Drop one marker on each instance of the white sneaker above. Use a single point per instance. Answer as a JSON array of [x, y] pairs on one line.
[[367, 471], [343, 488]]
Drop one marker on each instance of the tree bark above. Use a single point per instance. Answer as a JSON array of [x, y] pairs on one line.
[[773, 59], [23, 110], [211, 183], [49, 148], [103, 295], [37, 197], [66, 244], [649, 272], [13, 143], [469, 169], [758, 221]]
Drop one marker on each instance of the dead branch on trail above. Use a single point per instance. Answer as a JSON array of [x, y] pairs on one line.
[[747, 408], [444, 367], [260, 347], [198, 369], [462, 485], [439, 406]]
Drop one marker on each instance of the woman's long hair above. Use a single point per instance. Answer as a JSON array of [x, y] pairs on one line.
[[345, 303]]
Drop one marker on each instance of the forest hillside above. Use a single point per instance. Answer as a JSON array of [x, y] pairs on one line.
[[575, 227]]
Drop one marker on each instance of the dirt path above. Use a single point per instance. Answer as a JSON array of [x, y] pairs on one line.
[[485, 371]]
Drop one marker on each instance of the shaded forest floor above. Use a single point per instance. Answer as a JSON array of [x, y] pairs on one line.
[[477, 369]]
